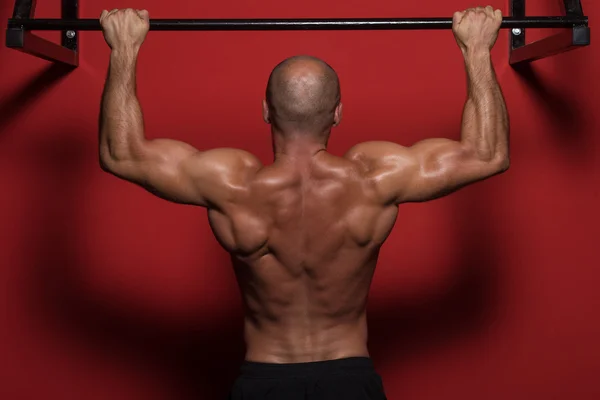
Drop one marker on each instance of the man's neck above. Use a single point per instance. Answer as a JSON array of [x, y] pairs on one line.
[[297, 145]]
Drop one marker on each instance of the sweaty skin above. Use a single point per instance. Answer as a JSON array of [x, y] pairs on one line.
[[304, 232]]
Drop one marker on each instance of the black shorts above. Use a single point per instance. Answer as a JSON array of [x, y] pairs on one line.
[[343, 379]]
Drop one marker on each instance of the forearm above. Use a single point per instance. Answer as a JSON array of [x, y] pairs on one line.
[[485, 126], [121, 119]]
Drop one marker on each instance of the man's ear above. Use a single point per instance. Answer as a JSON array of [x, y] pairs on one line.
[[337, 116], [265, 111]]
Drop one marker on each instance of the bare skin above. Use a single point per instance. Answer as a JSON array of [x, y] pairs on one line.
[[304, 232]]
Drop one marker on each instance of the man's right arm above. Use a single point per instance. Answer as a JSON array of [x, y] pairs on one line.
[[436, 167]]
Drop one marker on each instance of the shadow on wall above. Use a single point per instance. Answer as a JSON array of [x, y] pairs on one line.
[[12, 106], [199, 360], [465, 308], [566, 113]]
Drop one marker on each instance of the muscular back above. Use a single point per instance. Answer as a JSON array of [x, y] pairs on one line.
[[304, 233], [304, 236]]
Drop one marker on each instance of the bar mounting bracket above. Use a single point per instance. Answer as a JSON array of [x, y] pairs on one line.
[[570, 39]]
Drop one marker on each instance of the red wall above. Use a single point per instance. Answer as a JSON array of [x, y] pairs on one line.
[[109, 293]]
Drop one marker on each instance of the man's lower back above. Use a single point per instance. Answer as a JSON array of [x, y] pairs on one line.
[[309, 340]]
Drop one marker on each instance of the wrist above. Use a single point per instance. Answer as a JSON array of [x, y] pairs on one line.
[[476, 53], [125, 53]]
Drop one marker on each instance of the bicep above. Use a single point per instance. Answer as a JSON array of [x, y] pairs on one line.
[[427, 170], [177, 172]]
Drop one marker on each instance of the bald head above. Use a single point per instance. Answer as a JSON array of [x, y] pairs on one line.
[[303, 94]]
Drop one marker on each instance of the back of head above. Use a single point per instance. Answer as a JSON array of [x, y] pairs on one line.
[[302, 95]]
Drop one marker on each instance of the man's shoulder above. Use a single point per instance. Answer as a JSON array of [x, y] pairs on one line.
[[234, 168]]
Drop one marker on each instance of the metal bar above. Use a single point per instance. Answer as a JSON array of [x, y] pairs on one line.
[[27, 42], [69, 10], [24, 9], [517, 35], [559, 43], [296, 24], [573, 8]]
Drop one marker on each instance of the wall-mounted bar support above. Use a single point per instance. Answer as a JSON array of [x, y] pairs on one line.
[[20, 38], [575, 37]]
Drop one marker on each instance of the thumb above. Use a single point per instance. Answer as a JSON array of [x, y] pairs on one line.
[[144, 15], [104, 13], [457, 17]]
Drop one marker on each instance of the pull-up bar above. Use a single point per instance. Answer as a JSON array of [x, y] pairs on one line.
[[296, 24], [19, 36]]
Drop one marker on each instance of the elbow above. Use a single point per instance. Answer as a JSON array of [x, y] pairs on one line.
[[505, 164], [502, 163], [110, 166], [115, 167], [112, 160], [107, 162], [113, 154], [496, 161], [124, 166], [105, 165]]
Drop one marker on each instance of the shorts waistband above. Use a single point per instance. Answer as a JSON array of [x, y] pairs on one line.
[[272, 370]]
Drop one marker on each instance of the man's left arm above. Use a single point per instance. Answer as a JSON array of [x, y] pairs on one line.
[[170, 169]]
